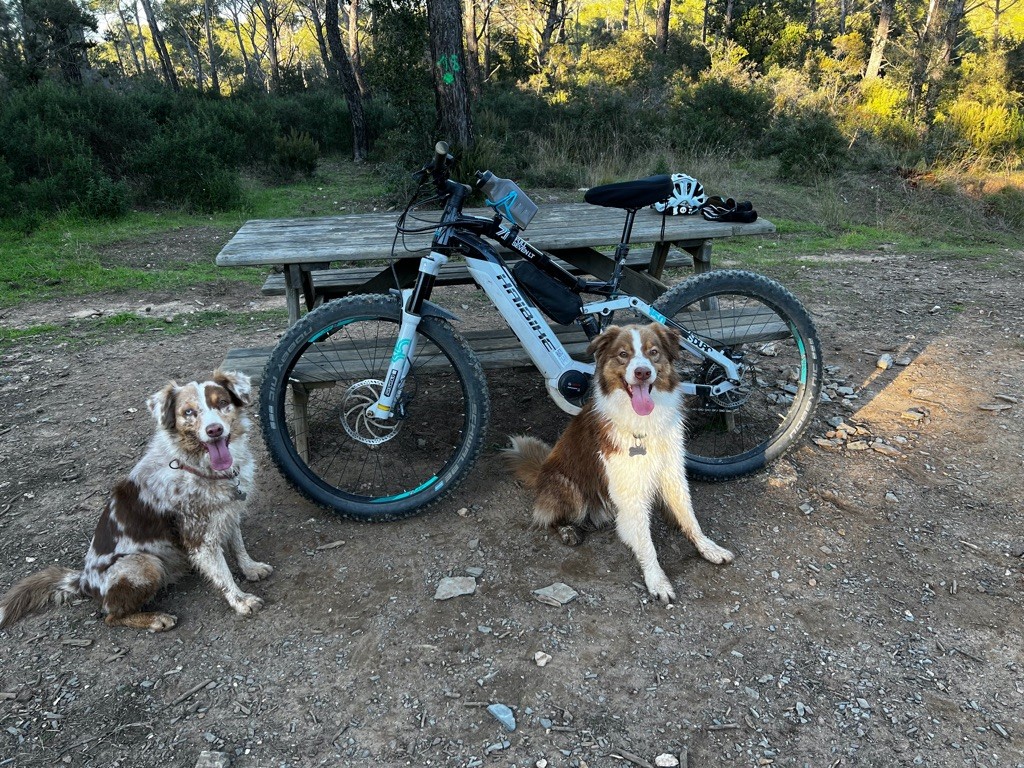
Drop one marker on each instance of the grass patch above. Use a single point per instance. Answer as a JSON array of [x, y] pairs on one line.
[[9, 336], [70, 256]]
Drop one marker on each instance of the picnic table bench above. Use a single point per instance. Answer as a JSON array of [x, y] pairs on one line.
[[303, 254]]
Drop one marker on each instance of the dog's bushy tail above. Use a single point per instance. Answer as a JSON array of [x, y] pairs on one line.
[[526, 456], [32, 593]]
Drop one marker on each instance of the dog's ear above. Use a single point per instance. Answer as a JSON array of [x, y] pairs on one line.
[[603, 341], [237, 384], [670, 338], [163, 404]]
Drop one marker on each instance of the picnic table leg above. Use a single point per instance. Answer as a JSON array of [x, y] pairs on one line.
[[300, 397], [292, 290], [701, 256], [658, 257]]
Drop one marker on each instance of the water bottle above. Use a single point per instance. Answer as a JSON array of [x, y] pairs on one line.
[[505, 196]]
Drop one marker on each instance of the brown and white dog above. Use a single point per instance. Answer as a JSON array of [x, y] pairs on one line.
[[621, 453], [180, 505]]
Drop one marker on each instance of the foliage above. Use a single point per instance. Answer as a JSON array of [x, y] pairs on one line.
[[717, 116], [296, 153], [808, 145]]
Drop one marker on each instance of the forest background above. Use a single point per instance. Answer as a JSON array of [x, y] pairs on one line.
[[110, 106]]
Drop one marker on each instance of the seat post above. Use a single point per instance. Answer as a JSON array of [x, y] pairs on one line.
[[622, 249]]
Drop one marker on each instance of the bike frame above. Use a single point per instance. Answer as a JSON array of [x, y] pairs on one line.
[[464, 235]]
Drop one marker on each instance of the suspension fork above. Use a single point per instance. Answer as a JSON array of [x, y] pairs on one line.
[[405, 344]]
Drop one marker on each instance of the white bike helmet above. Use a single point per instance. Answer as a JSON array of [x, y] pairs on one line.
[[687, 196]]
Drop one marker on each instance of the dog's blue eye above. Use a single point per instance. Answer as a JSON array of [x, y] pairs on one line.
[[189, 412]]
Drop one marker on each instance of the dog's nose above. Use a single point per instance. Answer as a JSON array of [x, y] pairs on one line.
[[215, 430], [642, 374]]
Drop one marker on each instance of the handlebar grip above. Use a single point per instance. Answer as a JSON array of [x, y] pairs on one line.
[[440, 155]]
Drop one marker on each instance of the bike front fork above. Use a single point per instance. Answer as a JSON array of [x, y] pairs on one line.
[[405, 344]]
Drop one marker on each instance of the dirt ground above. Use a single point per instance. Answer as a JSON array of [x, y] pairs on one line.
[[872, 617]]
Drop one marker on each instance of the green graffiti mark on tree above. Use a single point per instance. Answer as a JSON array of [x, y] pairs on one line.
[[449, 65]]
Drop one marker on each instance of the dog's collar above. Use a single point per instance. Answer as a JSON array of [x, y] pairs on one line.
[[233, 475]]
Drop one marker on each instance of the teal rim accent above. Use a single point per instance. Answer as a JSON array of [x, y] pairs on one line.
[[803, 353], [656, 315], [405, 495], [331, 329]]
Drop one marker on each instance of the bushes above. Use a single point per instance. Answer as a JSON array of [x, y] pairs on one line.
[[96, 150], [807, 145], [716, 115]]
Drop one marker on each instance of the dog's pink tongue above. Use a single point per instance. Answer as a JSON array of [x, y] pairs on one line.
[[220, 455], [643, 404]]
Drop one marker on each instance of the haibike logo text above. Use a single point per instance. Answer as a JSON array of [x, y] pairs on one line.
[[524, 310]]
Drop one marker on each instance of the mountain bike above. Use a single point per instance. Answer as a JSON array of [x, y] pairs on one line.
[[376, 407]]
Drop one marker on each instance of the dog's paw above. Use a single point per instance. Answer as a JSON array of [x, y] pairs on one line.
[[257, 571], [571, 535], [659, 586], [161, 622], [246, 604], [714, 553]]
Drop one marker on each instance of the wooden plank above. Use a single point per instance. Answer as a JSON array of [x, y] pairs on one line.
[[332, 283], [501, 349], [365, 237]]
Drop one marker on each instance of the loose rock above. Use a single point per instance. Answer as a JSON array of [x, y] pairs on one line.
[[503, 715], [556, 594], [455, 586]]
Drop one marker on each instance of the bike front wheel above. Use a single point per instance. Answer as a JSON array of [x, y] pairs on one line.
[[763, 327], [319, 383]]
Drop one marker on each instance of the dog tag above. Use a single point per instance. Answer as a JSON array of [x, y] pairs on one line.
[[637, 450], [240, 494]]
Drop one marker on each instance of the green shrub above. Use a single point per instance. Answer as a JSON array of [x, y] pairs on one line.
[[104, 198], [179, 166], [717, 116], [808, 145], [296, 153], [1008, 205]]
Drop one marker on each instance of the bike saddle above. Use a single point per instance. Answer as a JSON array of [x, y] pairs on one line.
[[631, 195]]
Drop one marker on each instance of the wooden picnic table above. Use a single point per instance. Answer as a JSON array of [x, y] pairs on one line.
[[305, 249]]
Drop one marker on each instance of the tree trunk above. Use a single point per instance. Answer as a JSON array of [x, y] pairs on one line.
[[727, 21], [444, 20], [345, 76], [922, 57], [955, 12], [842, 17], [161, 47], [270, 30], [131, 40], [142, 39], [214, 79], [472, 51], [625, 15], [193, 53], [881, 38], [661, 35], [354, 53]]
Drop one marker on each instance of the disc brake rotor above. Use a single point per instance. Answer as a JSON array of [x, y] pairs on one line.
[[733, 398], [354, 414]]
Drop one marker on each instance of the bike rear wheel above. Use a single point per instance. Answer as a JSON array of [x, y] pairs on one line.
[[325, 373], [761, 325]]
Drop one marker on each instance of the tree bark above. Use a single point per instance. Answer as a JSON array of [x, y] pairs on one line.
[[130, 38], [955, 13], [922, 57], [142, 38], [270, 30], [472, 51], [345, 76], [354, 52], [161, 46], [444, 19], [208, 6], [661, 34], [881, 38]]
